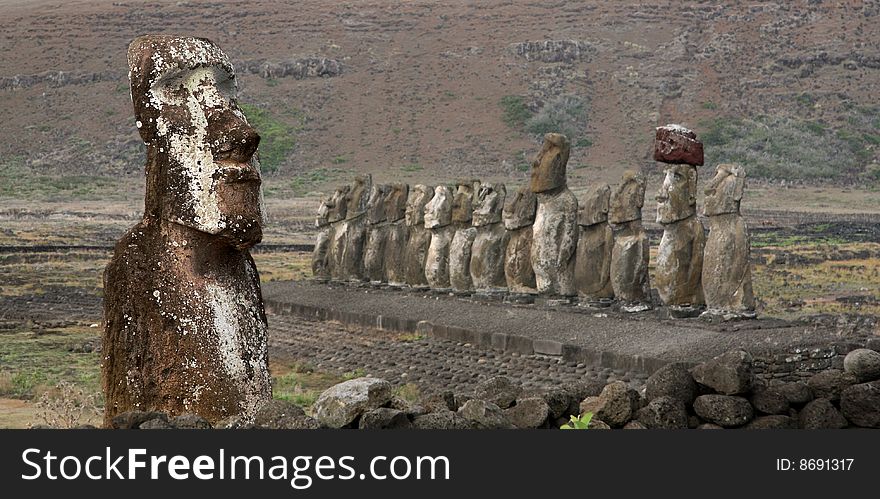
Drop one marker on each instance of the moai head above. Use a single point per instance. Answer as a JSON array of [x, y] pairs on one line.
[[593, 208], [202, 169], [725, 190], [395, 202], [376, 203], [418, 198], [338, 204], [463, 200], [438, 211], [519, 209], [358, 196], [677, 197], [490, 203], [627, 199], [548, 167]]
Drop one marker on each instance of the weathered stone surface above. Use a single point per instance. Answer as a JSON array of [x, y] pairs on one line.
[[485, 415], [438, 219], [321, 253], [709, 426], [518, 217], [830, 383], [630, 253], [376, 233], [592, 274], [277, 414], [724, 410], [185, 328], [727, 278], [664, 412], [443, 420], [338, 208], [384, 418], [598, 424], [796, 393], [820, 414], [677, 144], [354, 228], [769, 401], [341, 404], [615, 405], [558, 401], [499, 390], [395, 252], [418, 236], [679, 264], [555, 231], [531, 412], [730, 373], [860, 404], [672, 380], [130, 420], [772, 423], [862, 363], [190, 421], [634, 425], [155, 424], [460, 251], [490, 243]]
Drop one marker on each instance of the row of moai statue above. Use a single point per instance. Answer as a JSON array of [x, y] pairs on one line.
[[474, 238]]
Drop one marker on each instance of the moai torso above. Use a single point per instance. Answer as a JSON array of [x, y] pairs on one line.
[[554, 234], [727, 279], [438, 219], [490, 243], [395, 244], [355, 230], [592, 272], [463, 239], [418, 236], [338, 207], [184, 324], [320, 264], [631, 252], [518, 217], [377, 234], [679, 267]]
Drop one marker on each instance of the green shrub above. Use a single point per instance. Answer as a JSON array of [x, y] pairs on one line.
[[515, 111], [565, 114], [277, 138]]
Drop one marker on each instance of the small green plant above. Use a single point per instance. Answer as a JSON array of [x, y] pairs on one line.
[[710, 105], [338, 160], [412, 167], [410, 337], [278, 138], [581, 422], [514, 111], [357, 373]]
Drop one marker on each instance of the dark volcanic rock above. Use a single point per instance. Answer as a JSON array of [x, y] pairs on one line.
[[132, 419], [862, 363], [796, 393], [772, 423], [498, 390], [724, 410], [672, 380], [442, 420], [558, 401], [615, 404], [384, 418], [821, 414], [769, 401], [190, 421], [485, 415], [730, 373], [828, 384], [341, 404], [664, 412], [860, 404], [529, 412]]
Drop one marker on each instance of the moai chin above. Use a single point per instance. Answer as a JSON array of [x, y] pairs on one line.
[[418, 236], [320, 263], [592, 272], [463, 202], [490, 243], [680, 254], [630, 253], [395, 244], [184, 324], [376, 234], [438, 219], [555, 232], [354, 228], [518, 217], [338, 209], [727, 278]]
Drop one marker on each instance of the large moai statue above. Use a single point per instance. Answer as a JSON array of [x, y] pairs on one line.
[[631, 251], [462, 241], [592, 273], [320, 255], [727, 277], [518, 217], [490, 243], [377, 234], [184, 323], [338, 206], [679, 263], [555, 232], [418, 235], [351, 261], [395, 243], [438, 219]]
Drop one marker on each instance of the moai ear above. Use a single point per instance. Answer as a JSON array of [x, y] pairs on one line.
[[641, 185], [740, 186]]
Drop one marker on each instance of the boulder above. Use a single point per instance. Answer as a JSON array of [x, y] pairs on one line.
[[796, 393], [729, 374], [820, 414], [860, 404], [155, 424], [672, 380], [724, 410], [598, 424], [485, 415], [190, 421], [529, 412], [862, 363], [498, 390], [442, 420], [709, 426], [775, 422], [664, 412], [130, 420], [558, 402], [341, 404], [828, 384], [276, 414], [769, 401], [634, 425], [615, 404], [384, 418]]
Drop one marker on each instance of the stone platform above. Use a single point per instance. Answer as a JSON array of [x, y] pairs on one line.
[[640, 342]]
